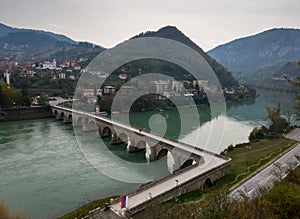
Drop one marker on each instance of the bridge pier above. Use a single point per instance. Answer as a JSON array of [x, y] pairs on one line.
[[77, 121], [115, 139], [89, 125], [68, 118]]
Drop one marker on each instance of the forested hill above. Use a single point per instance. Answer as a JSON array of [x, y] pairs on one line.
[[171, 32], [28, 44]]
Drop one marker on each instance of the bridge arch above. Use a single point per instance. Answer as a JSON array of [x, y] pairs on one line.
[[187, 163], [162, 153], [123, 137], [79, 121], [141, 144], [70, 117], [55, 113], [207, 183], [92, 123], [62, 115], [106, 132]]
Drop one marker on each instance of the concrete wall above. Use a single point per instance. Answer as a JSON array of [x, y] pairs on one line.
[[25, 113], [197, 183]]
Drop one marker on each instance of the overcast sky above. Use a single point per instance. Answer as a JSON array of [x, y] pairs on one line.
[[107, 23]]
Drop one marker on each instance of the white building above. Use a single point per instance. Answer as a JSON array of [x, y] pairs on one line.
[[90, 92], [6, 74], [49, 65], [61, 75], [109, 89], [177, 86], [161, 86]]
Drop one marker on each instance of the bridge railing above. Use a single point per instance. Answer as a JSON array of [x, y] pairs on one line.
[[175, 191], [156, 182]]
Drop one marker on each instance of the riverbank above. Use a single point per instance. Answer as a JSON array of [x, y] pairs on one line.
[[24, 113], [246, 159]]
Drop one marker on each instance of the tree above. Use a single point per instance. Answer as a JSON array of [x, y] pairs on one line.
[[26, 100], [278, 124], [44, 100], [9, 96], [297, 104]]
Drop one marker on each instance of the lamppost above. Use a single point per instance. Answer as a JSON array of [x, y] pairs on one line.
[[176, 197]]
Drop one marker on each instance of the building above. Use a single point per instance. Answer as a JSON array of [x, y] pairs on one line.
[[61, 75], [109, 89], [69, 63], [202, 83], [7, 77], [49, 65], [123, 76], [90, 92], [126, 90], [177, 86], [161, 86]]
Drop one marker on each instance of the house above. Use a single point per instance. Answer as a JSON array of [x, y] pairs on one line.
[[126, 90], [61, 75], [90, 92], [177, 86], [123, 76], [161, 86], [69, 63], [109, 89]]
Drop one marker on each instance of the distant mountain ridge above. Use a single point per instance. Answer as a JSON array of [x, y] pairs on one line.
[[278, 45], [5, 30], [258, 60], [28, 44], [171, 32]]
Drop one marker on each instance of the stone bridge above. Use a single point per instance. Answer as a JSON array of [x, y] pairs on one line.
[[196, 168], [137, 139]]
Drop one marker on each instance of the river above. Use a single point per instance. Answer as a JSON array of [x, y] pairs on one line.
[[43, 172]]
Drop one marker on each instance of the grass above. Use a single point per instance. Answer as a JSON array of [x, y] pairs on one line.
[[84, 210], [246, 159]]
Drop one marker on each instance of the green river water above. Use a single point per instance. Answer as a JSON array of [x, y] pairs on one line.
[[43, 172]]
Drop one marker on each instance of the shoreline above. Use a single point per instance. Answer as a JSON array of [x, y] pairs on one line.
[[25, 113]]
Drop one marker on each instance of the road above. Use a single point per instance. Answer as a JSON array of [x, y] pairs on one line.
[[275, 171]]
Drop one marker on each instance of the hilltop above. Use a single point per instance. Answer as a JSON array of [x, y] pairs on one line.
[[171, 32], [260, 57], [28, 44]]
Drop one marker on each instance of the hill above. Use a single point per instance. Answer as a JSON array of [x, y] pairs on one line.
[[171, 32], [28, 44], [258, 57]]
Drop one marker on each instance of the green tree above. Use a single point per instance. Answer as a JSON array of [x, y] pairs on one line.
[[297, 104], [26, 100], [284, 200], [9, 96], [43, 100]]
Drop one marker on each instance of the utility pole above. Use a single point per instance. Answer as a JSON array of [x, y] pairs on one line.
[[176, 196]]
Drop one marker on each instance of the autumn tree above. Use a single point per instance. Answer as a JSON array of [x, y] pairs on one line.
[[9, 96], [297, 105], [278, 124]]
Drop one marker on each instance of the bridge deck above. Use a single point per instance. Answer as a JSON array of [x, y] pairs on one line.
[[166, 185], [160, 187]]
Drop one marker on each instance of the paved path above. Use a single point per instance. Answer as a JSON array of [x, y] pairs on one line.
[[170, 183], [275, 171]]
